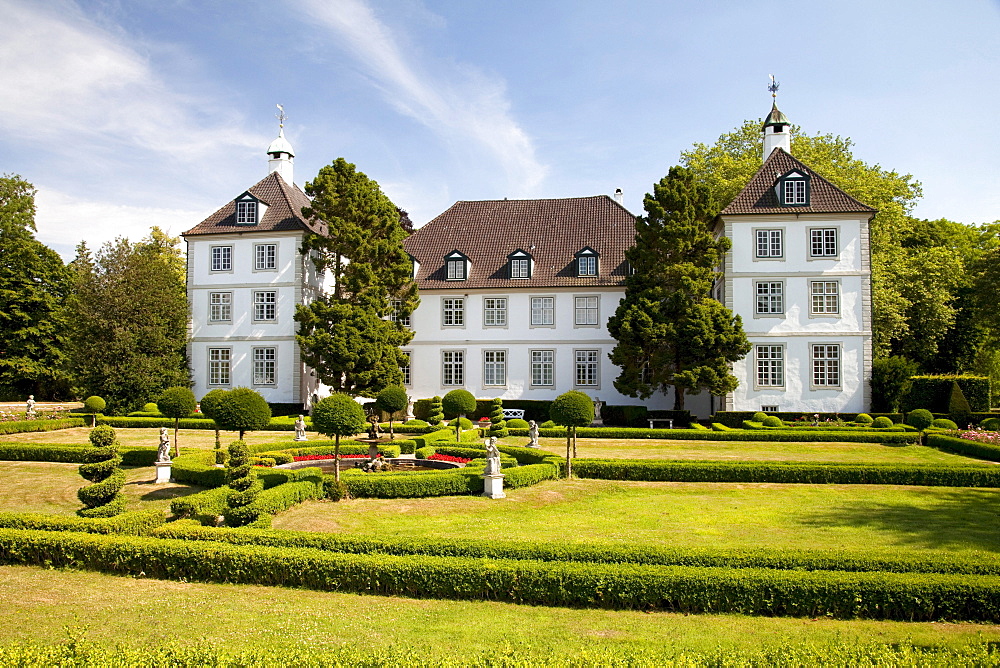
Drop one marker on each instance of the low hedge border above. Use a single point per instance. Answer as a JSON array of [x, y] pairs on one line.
[[900, 596], [70, 454], [773, 558], [135, 522], [962, 446], [201, 506], [736, 418], [418, 484], [28, 426], [387, 449], [751, 425], [787, 435], [930, 475]]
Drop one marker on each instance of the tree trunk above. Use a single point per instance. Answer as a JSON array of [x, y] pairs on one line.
[[458, 428], [241, 434], [336, 459], [177, 450], [569, 461], [392, 435], [678, 398]]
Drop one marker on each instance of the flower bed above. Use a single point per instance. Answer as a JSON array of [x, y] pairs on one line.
[[449, 458], [310, 458], [981, 436]]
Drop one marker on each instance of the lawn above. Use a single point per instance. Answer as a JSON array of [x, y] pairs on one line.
[[187, 438]]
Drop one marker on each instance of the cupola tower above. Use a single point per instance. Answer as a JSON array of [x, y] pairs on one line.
[[282, 155], [776, 126]]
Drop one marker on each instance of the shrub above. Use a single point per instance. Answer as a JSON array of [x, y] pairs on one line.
[[548, 424], [209, 407], [517, 423], [241, 409], [338, 415], [459, 403], [882, 422], [150, 408], [920, 418], [890, 382], [244, 486], [759, 417], [498, 425], [94, 405], [133, 522], [25, 426], [572, 409], [436, 414], [415, 423], [391, 400], [934, 392], [863, 418], [177, 403], [772, 421], [944, 423], [991, 424], [102, 467]]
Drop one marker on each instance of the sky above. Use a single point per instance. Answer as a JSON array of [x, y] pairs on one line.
[[127, 113]]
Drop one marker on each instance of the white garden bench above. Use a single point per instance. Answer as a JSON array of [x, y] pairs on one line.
[[652, 421], [513, 414]]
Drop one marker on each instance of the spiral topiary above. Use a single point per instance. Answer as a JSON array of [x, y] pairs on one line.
[[436, 415], [244, 486], [882, 422], [498, 426], [102, 467], [863, 418]]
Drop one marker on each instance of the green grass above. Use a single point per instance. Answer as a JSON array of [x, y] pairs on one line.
[[187, 438], [39, 605]]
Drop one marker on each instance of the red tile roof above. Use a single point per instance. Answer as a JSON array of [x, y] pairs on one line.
[[759, 197], [284, 211], [551, 230]]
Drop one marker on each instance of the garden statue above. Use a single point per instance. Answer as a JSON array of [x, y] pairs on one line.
[[598, 422], [373, 428], [30, 407], [163, 452], [300, 429], [492, 457], [533, 434]]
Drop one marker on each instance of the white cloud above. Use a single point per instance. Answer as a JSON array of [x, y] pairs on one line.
[[466, 106]]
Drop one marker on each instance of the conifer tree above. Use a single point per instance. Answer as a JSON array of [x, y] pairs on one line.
[[670, 332]]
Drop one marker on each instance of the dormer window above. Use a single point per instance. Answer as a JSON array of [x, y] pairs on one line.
[[248, 210], [520, 264], [793, 189], [586, 262], [457, 265], [414, 266]]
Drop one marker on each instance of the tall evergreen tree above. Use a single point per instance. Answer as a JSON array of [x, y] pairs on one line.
[[670, 333], [33, 285], [127, 321], [352, 337]]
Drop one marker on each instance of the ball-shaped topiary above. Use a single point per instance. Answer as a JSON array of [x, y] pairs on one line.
[[94, 405], [414, 423], [548, 424], [335, 416], [436, 414], [244, 487], [150, 408], [572, 409], [498, 425], [864, 418], [209, 408], [772, 421], [920, 418], [241, 409], [517, 423], [882, 422], [391, 400], [758, 417], [990, 424], [176, 403], [944, 423], [459, 403], [102, 467]]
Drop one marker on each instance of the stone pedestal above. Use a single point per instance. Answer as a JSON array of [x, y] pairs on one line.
[[304, 438], [493, 486], [163, 472]]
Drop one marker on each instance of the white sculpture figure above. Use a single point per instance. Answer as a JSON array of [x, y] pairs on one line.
[[300, 429], [163, 452], [492, 458], [597, 409], [30, 407], [533, 434]]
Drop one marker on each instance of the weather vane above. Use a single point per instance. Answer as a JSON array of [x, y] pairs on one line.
[[281, 115], [773, 87]]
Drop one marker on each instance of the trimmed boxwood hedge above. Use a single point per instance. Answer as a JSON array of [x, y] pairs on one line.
[[70, 454], [135, 522], [28, 426], [755, 591], [790, 435], [964, 447], [416, 484], [736, 418]]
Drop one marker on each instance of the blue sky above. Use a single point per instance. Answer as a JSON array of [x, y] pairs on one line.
[[127, 114]]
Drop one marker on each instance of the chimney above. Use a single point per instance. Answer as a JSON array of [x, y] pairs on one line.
[[619, 197]]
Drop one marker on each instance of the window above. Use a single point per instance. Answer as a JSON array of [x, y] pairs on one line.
[[494, 367], [770, 297], [542, 366], [823, 243], [218, 366], [795, 191], [543, 311], [769, 409], [520, 268], [769, 243], [265, 256], [220, 306], [452, 367], [395, 315], [586, 310], [456, 270], [222, 258], [246, 212], [453, 314], [586, 261], [586, 368], [770, 366], [826, 365], [265, 305], [825, 297], [404, 368], [263, 366], [495, 312]]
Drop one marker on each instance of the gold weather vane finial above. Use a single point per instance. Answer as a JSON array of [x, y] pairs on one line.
[[773, 87], [282, 118]]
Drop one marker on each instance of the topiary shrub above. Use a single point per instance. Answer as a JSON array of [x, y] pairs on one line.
[[572, 409], [460, 403], [863, 418], [920, 418], [176, 403], [498, 425], [944, 423], [415, 423], [391, 400], [517, 423], [209, 408], [150, 408], [335, 416], [436, 415], [990, 424], [102, 467], [890, 383], [958, 405], [772, 421], [242, 410], [548, 424], [244, 486], [882, 422], [94, 405], [758, 417]]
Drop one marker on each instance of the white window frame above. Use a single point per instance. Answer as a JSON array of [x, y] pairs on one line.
[[246, 212], [795, 192], [586, 265], [773, 250], [494, 368], [587, 360], [769, 366], [456, 269], [770, 298], [220, 306], [261, 306], [494, 311], [825, 365], [407, 368], [542, 361], [220, 367], [591, 310], [265, 257], [453, 312], [395, 306], [221, 259], [541, 310], [824, 234], [265, 362], [824, 303], [520, 267], [452, 368]]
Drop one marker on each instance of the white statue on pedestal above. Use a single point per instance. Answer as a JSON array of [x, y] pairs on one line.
[[30, 407], [533, 434], [163, 452], [300, 429], [492, 457]]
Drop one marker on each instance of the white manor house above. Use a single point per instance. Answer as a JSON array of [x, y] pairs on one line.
[[516, 294]]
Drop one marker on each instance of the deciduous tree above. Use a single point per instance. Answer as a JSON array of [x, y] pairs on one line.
[[335, 416]]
